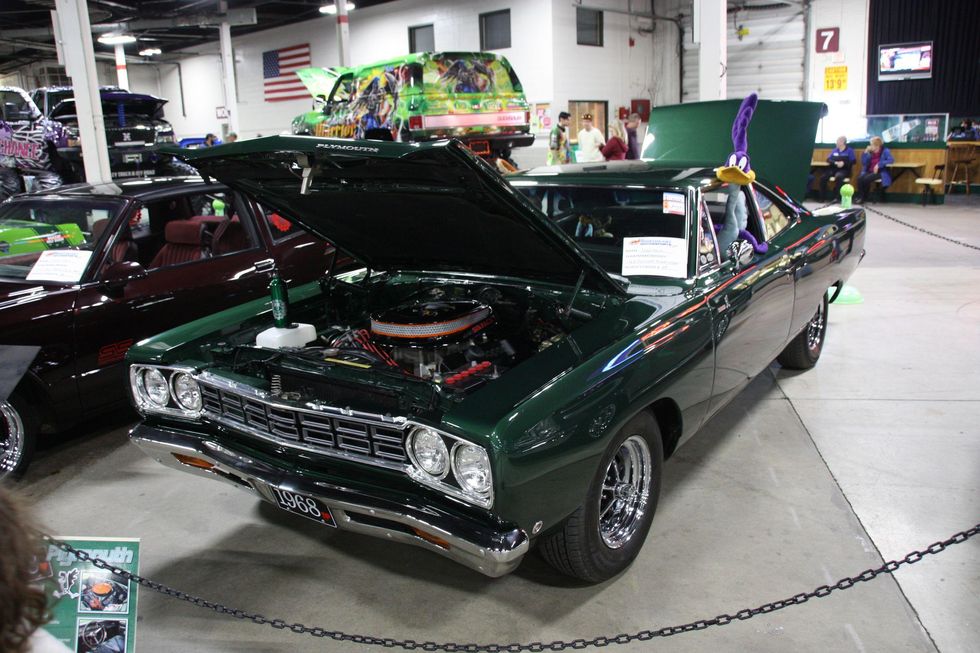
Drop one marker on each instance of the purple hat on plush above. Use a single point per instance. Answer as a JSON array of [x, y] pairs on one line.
[[738, 167]]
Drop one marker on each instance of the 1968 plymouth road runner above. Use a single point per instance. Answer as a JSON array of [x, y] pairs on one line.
[[513, 362]]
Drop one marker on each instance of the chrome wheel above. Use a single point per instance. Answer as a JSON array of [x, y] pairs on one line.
[[815, 329], [625, 492], [12, 439]]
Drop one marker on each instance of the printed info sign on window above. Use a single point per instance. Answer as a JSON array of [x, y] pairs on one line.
[[659, 257], [93, 610]]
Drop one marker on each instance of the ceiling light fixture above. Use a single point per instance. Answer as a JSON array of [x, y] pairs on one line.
[[149, 52], [332, 9], [117, 39]]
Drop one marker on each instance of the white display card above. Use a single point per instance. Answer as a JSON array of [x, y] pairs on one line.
[[60, 265], [674, 203], [662, 257]]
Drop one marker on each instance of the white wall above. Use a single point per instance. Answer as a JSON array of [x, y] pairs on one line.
[[846, 109], [615, 72]]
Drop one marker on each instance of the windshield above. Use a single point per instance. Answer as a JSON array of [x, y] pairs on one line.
[[632, 232], [51, 240], [16, 107]]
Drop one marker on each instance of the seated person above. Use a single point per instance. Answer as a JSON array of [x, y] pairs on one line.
[[874, 167], [841, 160]]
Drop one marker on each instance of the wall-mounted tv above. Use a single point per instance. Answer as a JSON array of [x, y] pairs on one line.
[[905, 61]]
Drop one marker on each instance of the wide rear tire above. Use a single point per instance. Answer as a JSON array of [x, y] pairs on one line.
[[605, 534], [804, 350]]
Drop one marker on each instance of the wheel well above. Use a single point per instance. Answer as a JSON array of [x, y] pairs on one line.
[[668, 416]]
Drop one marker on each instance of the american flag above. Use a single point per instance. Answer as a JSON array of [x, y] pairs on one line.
[[279, 72]]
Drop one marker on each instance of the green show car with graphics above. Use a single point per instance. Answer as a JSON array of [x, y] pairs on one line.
[[27, 236], [475, 97], [495, 376]]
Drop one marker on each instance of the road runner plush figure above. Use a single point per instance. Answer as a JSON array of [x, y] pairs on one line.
[[738, 168]]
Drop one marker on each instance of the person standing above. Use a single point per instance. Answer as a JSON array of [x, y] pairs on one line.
[[559, 150], [615, 148], [231, 137], [841, 160], [632, 137], [590, 141], [874, 167]]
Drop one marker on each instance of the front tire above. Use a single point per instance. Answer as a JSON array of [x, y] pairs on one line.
[[804, 350], [19, 426], [605, 534]]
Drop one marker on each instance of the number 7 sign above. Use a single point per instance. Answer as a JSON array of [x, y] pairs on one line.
[[828, 39]]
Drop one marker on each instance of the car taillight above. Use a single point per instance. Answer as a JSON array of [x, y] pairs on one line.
[[527, 117], [415, 122]]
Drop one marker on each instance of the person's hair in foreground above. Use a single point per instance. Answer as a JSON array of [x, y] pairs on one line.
[[23, 606]]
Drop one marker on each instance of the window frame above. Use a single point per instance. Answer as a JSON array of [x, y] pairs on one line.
[[483, 30], [788, 211], [600, 27], [412, 46], [700, 271]]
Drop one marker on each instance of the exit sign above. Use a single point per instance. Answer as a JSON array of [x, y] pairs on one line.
[[828, 39]]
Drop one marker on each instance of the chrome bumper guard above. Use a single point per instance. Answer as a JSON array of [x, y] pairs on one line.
[[490, 552]]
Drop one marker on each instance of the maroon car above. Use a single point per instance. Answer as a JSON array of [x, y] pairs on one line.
[[88, 270]]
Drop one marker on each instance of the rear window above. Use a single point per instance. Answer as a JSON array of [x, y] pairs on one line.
[[470, 74], [630, 232], [30, 231]]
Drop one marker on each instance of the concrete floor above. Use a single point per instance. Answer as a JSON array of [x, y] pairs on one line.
[[803, 479]]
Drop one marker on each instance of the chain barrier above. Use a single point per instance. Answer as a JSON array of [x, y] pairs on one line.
[[557, 645], [925, 231]]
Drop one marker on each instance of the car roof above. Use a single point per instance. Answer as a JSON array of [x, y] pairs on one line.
[[616, 173], [136, 188]]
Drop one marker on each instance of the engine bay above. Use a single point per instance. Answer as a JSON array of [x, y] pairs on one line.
[[404, 346]]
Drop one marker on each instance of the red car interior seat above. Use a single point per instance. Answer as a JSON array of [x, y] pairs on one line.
[[124, 249], [184, 243]]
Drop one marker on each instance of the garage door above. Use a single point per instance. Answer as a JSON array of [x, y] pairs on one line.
[[768, 59]]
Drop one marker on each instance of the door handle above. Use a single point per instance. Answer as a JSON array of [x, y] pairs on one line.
[[265, 265]]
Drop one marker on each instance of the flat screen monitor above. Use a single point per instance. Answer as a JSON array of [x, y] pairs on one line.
[[905, 61]]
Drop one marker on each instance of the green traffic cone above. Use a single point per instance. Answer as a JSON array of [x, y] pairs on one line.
[[849, 295]]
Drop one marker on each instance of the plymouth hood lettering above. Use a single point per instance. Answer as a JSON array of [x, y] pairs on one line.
[[420, 207]]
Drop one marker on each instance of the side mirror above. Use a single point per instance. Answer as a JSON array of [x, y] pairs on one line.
[[117, 275], [740, 253]]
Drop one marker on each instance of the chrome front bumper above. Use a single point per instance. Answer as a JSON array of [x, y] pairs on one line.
[[489, 551]]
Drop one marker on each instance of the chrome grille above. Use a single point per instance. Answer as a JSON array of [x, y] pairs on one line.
[[329, 434]]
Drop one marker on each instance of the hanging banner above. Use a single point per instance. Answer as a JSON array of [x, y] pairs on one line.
[[92, 610]]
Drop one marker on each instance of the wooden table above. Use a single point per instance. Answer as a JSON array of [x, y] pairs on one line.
[[899, 168]]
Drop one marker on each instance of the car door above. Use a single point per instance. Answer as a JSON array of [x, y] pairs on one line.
[[751, 308], [113, 315]]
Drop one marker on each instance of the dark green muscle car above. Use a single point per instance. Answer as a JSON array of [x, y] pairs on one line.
[[510, 365]]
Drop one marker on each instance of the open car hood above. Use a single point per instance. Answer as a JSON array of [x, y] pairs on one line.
[[319, 81], [395, 206], [780, 137]]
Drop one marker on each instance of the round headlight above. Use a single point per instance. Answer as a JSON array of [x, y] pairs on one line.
[[155, 387], [187, 392], [472, 469], [429, 452]]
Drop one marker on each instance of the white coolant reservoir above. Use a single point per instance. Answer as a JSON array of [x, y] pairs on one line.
[[295, 335]]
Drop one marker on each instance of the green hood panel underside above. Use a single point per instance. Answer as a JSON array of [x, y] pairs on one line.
[[781, 137], [429, 207]]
